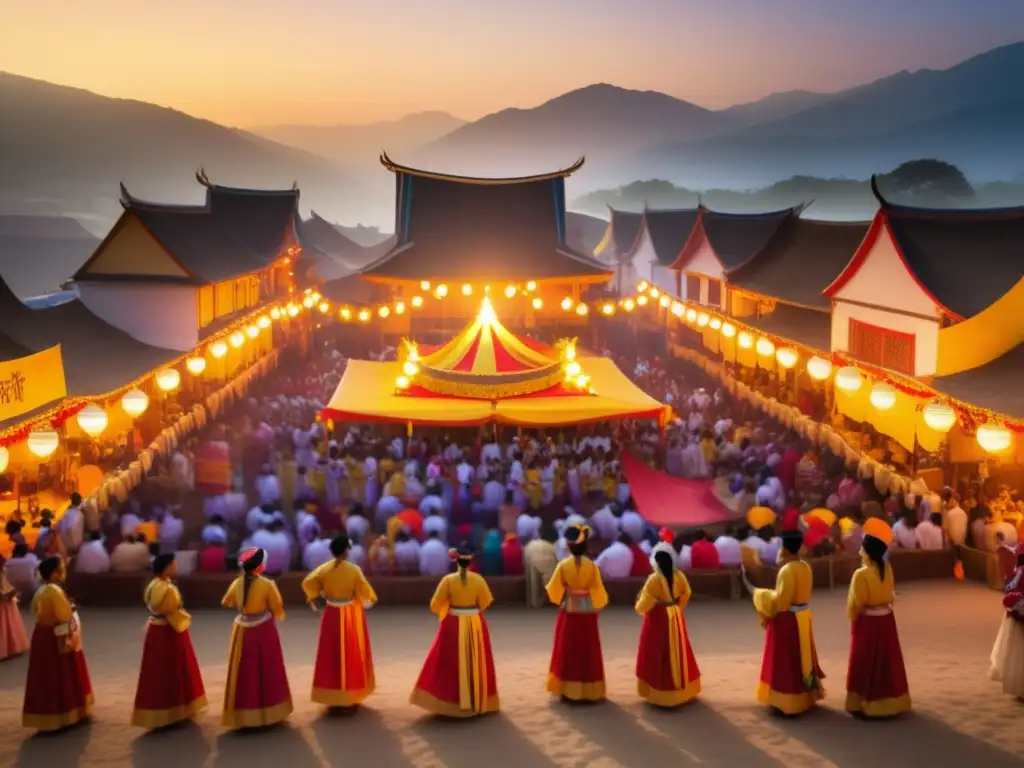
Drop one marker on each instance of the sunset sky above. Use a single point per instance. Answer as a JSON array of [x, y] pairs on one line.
[[259, 62]]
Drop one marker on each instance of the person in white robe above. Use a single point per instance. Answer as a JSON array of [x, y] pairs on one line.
[[435, 522], [633, 524], [605, 523], [71, 526], [302, 440], [172, 529], [434, 559], [548, 473], [407, 554], [274, 540], [357, 527], [730, 552], [616, 561], [92, 556], [316, 553], [527, 528]]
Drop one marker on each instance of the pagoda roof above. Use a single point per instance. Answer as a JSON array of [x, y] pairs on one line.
[[466, 228], [669, 230], [737, 237]]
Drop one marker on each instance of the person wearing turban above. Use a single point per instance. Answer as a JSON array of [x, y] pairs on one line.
[[170, 687], [1008, 650], [876, 680], [256, 693], [790, 675]]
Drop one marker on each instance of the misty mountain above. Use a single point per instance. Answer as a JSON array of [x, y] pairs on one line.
[[66, 149], [38, 253], [360, 145], [775, 106]]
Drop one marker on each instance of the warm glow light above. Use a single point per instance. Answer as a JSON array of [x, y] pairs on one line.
[[5, 457], [346, 313], [678, 309], [664, 301], [218, 349], [263, 322], [628, 305], [417, 302], [703, 319], [92, 419], [384, 312], [819, 368], [43, 442], [467, 289], [608, 309], [716, 324], [168, 379], [531, 286], [537, 302], [252, 331], [410, 368], [882, 396], [316, 296], [691, 314], [364, 315], [581, 309], [642, 286], [134, 402], [402, 382], [572, 368], [424, 285], [570, 352], [849, 379], [442, 291], [582, 380], [510, 291], [728, 330], [765, 348], [787, 357], [307, 302], [237, 339], [566, 304], [939, 416], [399, 307], [196, 365], [275, 313], [487, 315], [325, 307], [746, 340], [293, 310], [413, 354], [641, 300], [655, 293], [992, 437]]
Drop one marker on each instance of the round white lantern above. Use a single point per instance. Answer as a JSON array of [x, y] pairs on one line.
[[43, 442], [716, 324], [728, 330], [703, 319], [994, 438], [765, 348], [746, 340], [787, 357], [819, 368], [849, 379], [196, 365], [218, 349], [882, 396], [691, 315], [939, 416], [237, 339], [252, 331], [92, 419], [168, 379], [263, 322], [5, 456], [134, 402]]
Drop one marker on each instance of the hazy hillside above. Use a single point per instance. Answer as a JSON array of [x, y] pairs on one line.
[[68, 148], [38, 253], [775, 106], [360, 145]]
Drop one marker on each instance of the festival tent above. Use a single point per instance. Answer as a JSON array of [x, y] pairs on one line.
[[486, 373], [672, 501]]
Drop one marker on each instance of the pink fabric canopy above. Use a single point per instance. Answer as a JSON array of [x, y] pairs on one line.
[[671, 501]]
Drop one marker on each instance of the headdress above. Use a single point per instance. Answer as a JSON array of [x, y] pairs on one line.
[[879, 529], [253, 560], [461, 552], [759, 517], [791, 520], [666, 536]]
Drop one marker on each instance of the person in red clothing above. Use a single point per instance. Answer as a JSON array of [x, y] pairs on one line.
[[213, 557], [704, 553], [641, 562], [786, 470], [512, 555]]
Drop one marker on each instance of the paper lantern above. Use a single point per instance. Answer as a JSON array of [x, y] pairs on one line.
[[628, 305], [537, 302], [417, 301], [424, 285], [939, 416], [655, 293], [716, 324], [608, 309], [467, 289], [745, 340], [581, 309], [253, 331], [442, 291], [728, 330], [237, 339], [678, 309], [292, 310], [691, 315], [849, 379], [168, 379], [308, 302], [325, 307], [263, 322], [510, 291], [641, 286], [345, 313], [92, 419], [641, 300], [275, 313], [531, 286], [5, 457], [882, 396], [196, 365], [402, 382], [566, 304], [364, 315], [703, 319], [819, 368], [43, 442], [664, 301], [765, 348], [218, 349], [994, 438], [399, 307], [383, 312], [787, 357]]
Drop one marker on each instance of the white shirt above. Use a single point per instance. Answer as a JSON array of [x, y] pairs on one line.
[[432, 523], [92, 558], [730, 552], [903, 535], [928, 535], [430, 504], [616, 561], [464, 473], [357, 555], [605, 523], [956, 525], [493, 495], [171, 531], [357, 527], [434, 559], [279, 550], [685, 557], [527, 527], [407, 556], [490, 451], [633, 524], [71, 529], [268, 489], [129, 558], [316, 553], [21, 572]]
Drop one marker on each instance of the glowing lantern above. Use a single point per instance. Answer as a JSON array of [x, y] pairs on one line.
[[196, 365], [237, 339], [293, 310], [765, 348], [992, 437], [308, 302], [325, 307], [691, 315], [410, 368], [608, 309], [537, 302], [566, 304], [572, 369], [728, 330], [703, 319], [346, 314], [316, 297], [641, 301], [253, 330], [531, 286], [5, 457], [641, 286], [263, 322], [383, 312], [364, 315], [582, 380], [43, 442], [678, 309], [664, 301], [442, 291], [849, 379], [510, 291], [882, 396], [628, 305], [655, 293], [399, 307], [716, 324], [787, 357], [819, 368], [417, 302], [402, 382], [92, 419], [218, 349], [570, 352], [581, 309], [939, 416], [424, 285], [168, 379], [467, 289], [275, 313], [746, 340], [134, 402]]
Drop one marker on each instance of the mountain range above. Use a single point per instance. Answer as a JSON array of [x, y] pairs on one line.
[[64, 150]]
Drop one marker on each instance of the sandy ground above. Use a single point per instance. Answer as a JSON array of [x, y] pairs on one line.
[[960, 717]]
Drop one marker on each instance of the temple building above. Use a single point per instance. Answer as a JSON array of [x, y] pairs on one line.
[[667, 231], [616, 249]]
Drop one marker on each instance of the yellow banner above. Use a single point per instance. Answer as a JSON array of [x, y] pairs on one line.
[[31, 382]]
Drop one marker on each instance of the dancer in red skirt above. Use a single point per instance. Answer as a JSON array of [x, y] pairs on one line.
[[577, 666], [876, 682], [666, 671], [170, 686], [790, 675], [256, 693], [343, 676], [58, 692], [457, 679]]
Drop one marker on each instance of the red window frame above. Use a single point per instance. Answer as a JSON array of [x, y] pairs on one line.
[[858, 329]]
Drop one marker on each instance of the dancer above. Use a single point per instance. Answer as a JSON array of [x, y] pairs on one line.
[[790, 675], [457, 679], [577, 666], [13, 640], [256, 692], [170, 686], [666, 671], [343, 675], [1008, 651], [58, 692], [876, 681]]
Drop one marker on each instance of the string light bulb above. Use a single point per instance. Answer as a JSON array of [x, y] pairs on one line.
[[424, 285], [537, 302], [416, 301], [581, 310], [531, 286], [442, 291], [399, 307], [641, 300], [237, 339], [510, 291], [467, 289], [566, 304], [252, 331], [383, 312], [218, 349], [196, 365]]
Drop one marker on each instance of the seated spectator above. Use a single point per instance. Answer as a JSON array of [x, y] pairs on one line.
[[730, 553], [512, 554], [92, 556], [21, 571], [704, 553], [357, 553], [434, 558], [903, 531], [316, 553], [131, 555], [928, 534], [407, 554], [616, 561], [213, 556]]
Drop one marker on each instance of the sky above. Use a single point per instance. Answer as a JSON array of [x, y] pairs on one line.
[[251, 63]]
